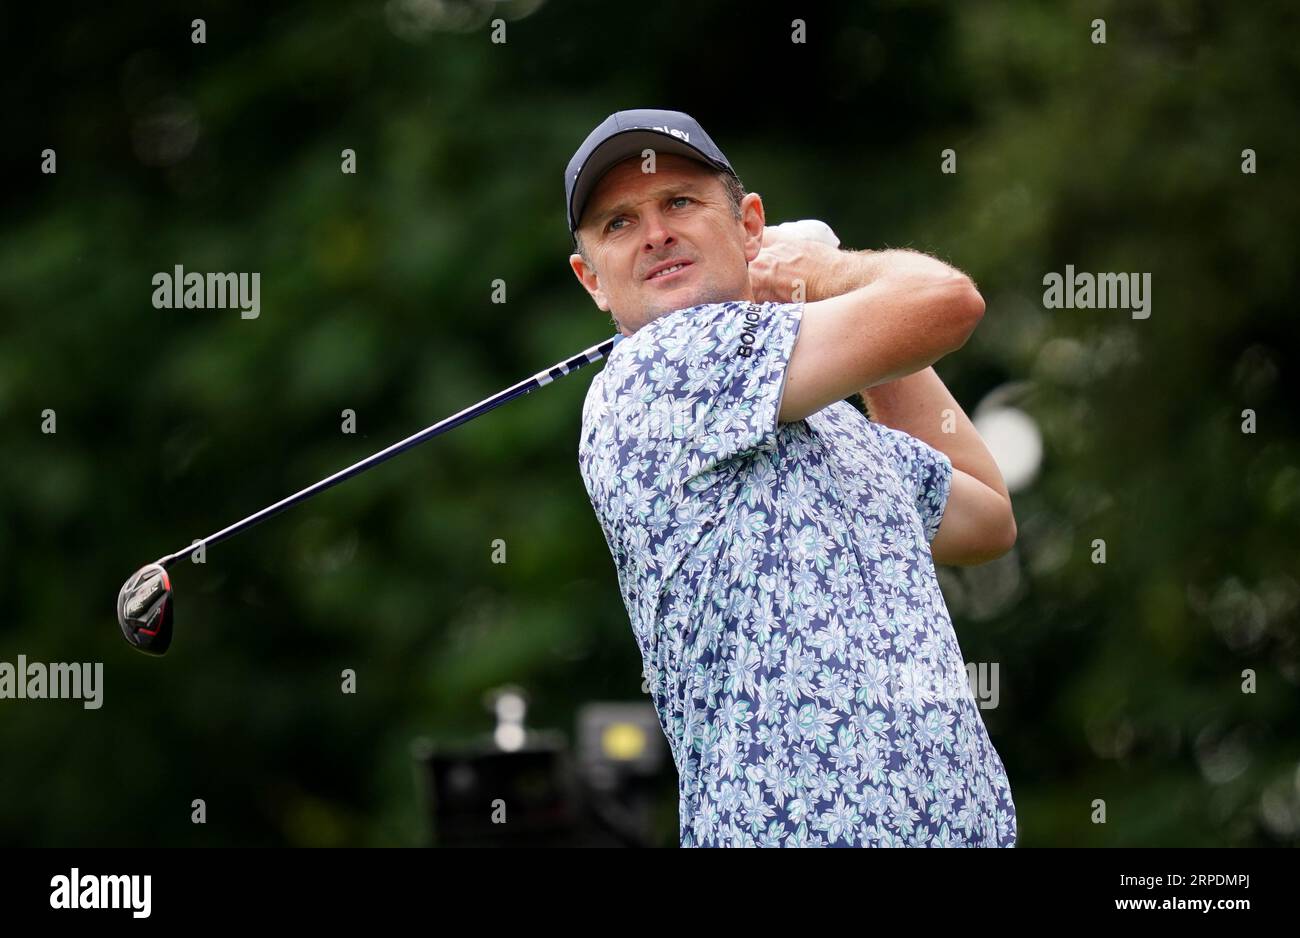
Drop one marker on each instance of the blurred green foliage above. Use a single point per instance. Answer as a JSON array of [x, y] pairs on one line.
[[1119, 681]]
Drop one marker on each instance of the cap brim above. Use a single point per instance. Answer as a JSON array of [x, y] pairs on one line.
[[622, 146]]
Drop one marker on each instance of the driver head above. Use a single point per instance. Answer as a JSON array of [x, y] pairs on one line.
[[144, 609]]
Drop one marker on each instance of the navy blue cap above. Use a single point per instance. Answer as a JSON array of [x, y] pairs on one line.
[[626, 134]]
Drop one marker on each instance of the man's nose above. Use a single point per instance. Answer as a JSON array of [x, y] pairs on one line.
[[656, 231]]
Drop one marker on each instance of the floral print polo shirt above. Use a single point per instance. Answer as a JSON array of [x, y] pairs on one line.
[[780, 587]]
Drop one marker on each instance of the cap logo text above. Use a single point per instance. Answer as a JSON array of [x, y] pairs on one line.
[[679, 134]]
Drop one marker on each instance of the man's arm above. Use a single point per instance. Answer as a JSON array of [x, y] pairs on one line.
[[978, 522], [895, 313], [898, 294]]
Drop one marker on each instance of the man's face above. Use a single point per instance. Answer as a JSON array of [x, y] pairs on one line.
[[635, 224]]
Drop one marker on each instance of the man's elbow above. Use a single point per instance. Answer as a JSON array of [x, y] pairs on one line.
[[1007, 533], [965, 308], [991, 539], [1000, 538]]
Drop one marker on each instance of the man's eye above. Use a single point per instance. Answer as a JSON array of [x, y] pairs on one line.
[[681, 198], [613, 222]]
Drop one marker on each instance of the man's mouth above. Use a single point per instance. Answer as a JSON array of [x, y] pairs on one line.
[[669, 270]]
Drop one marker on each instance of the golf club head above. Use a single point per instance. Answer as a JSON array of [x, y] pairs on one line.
[[144, 609]]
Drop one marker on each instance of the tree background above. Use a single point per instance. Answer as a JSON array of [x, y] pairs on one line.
[[1119, 681]]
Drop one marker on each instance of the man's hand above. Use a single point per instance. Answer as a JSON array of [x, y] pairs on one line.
[[791, 266]]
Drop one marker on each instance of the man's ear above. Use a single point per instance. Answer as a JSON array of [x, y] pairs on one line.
[[586, 275], [753, 219]]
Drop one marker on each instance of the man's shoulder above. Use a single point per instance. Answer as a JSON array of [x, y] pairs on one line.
[[684, 332], [640, 350], [690, 318]]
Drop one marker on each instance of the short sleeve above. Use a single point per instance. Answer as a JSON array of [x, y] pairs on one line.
[[705, 384], [926, 474]]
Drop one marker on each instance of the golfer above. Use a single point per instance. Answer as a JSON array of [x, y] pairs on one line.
[[775, 548]]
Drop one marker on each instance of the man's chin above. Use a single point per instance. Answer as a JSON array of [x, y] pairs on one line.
[[685, 299], [656, 307]]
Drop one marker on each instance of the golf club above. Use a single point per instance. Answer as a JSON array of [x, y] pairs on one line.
[[145, 602]]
